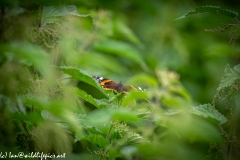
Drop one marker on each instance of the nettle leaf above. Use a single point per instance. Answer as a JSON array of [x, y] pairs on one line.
[[97, 139], [104, 116], [121, 49], [51, 14], [82, 76], [82, 94], [230, 76], [237, 68], [208, 111], [134, 138], [210, 9]]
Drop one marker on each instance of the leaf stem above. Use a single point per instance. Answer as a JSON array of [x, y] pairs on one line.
[[236, 19], [109, 131]]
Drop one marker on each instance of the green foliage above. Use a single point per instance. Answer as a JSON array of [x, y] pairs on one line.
[[230, 77], [48, 97], [98, 140], [209, 111], [50, 14], [80, 75], [121, 49], [86, 97], [210, 9]]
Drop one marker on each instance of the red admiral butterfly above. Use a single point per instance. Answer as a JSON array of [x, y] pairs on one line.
[[109, 84]]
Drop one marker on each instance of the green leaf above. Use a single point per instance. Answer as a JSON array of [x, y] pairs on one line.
[[51, 14], [134, 138], [15, 11], [31, 117], [122, 31], [237, 68], [97, 139], [80, 93], [82, 76], [121, 49], [133, 96], [230, 76], [210, 9], [104, 116], [208, 111]]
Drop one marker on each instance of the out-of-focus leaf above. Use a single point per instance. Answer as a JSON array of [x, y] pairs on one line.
[[133, 138], [208, 111], [121, 49], [48, 116], [186, 126], [80, 75], [211, 9], [104, 116], [15, 11], [175, 101], [143, 78], [165, 151], [121, 30], [31, 117], [133, 96], [237, 68], [230, 76], [97, 139], [30, 53], [50, 14]]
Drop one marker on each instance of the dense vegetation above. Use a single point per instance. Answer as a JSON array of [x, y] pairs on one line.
[[49, 102]]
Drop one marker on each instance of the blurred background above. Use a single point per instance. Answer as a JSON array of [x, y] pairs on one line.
[[136, 42], [146, 28]]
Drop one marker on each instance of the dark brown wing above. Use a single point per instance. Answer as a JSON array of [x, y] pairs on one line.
[[108, 84]]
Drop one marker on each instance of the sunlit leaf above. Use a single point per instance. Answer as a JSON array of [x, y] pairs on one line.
[[210, 9]]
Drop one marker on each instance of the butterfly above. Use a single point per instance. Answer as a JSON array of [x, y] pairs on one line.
[[109, 84]]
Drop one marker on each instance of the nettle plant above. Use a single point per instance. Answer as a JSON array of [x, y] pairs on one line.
[[51, 107], [228, 89]]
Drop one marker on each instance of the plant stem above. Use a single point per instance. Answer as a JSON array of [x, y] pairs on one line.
[[104, 151], [109, 131], [231, 139], [40, 18]]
